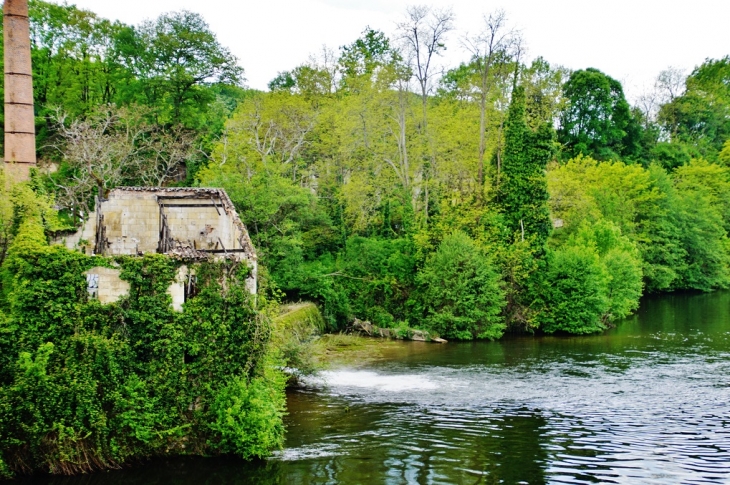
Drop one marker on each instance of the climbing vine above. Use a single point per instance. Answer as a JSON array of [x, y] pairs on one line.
[[86, 386]]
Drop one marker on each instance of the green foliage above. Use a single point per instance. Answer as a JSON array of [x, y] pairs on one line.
[[347, 191], [85, 386], [294, 335], [597, 120], [702, 228], [592, 280], [377, 275], [172, 61], [637, 200], [724, 157], [700, 117], [173, 66], [678, 222], [248, 416], [523, 193], [460, 291], [622, 263], [574, 291], [371, 58]]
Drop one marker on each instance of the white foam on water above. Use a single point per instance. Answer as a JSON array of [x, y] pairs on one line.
[[391, 383]]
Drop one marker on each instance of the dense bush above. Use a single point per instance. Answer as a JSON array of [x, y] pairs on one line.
[[86, 386], [574, 292], [460, 291], [592, 280]]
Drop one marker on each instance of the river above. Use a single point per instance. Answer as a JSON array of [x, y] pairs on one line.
[[646, 402]]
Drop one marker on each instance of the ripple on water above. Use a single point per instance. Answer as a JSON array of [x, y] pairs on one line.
[[644, 417]]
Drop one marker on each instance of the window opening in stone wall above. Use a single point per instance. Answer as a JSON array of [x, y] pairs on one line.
[[92, 285], [191, 286]]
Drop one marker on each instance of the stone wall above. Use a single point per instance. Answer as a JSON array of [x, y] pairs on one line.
[[83, 239], [177, 288], [206, 227], [132, 221], [199, 223], [105, 284]]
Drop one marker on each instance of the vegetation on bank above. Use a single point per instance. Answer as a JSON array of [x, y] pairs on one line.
[[459, 208], [86, 386], [501, 196]]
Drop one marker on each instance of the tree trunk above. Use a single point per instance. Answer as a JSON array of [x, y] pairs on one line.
[[19, 117]]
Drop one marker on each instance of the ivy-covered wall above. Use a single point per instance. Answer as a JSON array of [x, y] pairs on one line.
[[86, 386]]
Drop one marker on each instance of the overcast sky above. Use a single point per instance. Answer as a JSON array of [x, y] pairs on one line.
[[630, 40]]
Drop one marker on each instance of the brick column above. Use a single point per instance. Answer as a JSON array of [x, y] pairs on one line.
[[19, 115]]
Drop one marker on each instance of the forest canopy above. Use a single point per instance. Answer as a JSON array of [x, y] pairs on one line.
[[362, 168]]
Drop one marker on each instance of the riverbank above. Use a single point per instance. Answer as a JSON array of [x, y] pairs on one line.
[[306, 347]]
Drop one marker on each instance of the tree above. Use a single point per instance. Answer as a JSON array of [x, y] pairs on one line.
[[641, 202], [74, 58], [544, 98], [423, 33], [371, 60], [268, 133], [461, 292], [174, 58], [700, 117], [597, 118], [112, 147], [315, 79], [523, 193], [702, 207], [574, 291], [622, 263], [490, 48]]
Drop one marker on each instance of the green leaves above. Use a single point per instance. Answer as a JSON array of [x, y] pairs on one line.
[[592, 280], [460, 291], [597, 118], [700, 117], [85, 386], [248, 417], [523, 193], [574, 292]]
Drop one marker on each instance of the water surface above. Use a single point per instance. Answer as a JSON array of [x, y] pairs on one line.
[[647, 402]]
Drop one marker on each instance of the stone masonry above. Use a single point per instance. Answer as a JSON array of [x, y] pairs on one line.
[[105, 284], [191, 224]]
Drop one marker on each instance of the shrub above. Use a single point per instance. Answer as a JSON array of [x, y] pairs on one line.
[[574, 291], [86, 386], [460, 292]]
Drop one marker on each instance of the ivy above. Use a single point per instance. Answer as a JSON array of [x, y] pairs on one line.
[[87, 386]]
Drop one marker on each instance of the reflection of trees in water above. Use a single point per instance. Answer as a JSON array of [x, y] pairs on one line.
[[179, 471], [514, 451], [406, 444]]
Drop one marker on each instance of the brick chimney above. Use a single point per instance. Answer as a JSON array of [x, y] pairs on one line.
[[19, 116]]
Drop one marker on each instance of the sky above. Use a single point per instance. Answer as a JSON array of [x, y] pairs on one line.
[[630, 40]]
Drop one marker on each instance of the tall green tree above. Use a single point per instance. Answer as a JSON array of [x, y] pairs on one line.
[[174, 59], [597, 120], [523, 193], [700, 117]]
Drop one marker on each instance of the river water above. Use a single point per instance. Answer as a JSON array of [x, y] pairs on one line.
[[647, 402]]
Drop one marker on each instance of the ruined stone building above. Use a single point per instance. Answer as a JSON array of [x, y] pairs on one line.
[[190, 224]]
